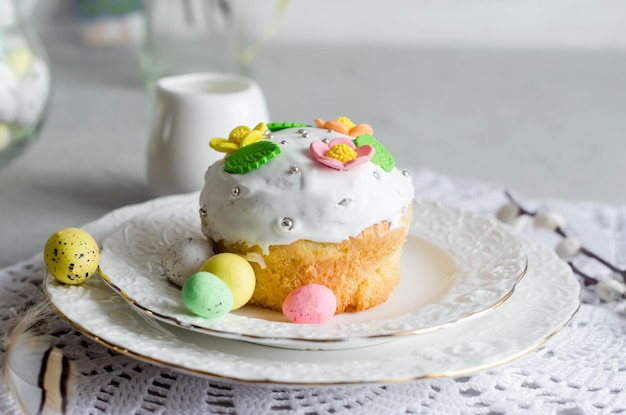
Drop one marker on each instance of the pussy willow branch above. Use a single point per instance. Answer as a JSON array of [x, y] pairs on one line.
[[587, 279]]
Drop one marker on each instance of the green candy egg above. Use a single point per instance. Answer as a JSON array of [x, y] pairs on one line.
[[205, 295]]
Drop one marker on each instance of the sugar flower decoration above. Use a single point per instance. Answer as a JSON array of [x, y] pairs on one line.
[[343, 125], [239, 137], [341, 153]]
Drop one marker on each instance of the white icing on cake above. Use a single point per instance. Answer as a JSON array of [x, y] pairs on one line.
[[323, 204]]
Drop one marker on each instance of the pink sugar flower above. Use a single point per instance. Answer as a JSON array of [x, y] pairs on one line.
[[341, 153]]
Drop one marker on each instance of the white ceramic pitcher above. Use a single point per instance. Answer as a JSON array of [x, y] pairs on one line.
[[190, 110]]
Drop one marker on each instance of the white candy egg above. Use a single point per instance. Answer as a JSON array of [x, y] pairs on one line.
[[184, 257]]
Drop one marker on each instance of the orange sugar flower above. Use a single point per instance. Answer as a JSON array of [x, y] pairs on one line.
[[343, 125]]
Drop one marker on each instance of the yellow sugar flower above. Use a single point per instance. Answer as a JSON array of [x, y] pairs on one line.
[[239, 137]]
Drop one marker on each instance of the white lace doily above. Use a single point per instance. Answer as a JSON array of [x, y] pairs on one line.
[[581, 370]]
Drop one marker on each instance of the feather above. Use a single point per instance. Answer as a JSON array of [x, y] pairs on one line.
[[37, 372]]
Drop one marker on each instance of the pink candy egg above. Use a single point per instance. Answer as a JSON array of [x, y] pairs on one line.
[[310, 304]]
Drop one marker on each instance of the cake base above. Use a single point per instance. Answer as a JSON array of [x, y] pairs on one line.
[[361, 271]]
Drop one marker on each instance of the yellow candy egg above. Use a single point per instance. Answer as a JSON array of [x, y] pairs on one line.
[[236, 272], [71, 255]]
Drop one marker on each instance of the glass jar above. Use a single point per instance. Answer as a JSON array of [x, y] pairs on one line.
[[24, 83], [188, 36]]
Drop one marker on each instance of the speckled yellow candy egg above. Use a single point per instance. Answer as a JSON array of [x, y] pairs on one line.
[[71, 255], [236, 272]]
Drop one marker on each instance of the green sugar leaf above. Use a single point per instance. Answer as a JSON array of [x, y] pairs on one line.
[[382, 156], [277, 126], [251, 157]]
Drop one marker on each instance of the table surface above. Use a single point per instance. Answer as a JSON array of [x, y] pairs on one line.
[[546, 123]]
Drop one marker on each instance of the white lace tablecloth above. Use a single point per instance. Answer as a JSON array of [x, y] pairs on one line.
[[581, 370]]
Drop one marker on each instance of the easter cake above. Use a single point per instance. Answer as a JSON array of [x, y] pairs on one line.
[[307, 205]]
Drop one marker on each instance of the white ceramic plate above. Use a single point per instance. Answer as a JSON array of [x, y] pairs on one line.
[[542, 304], [455, 265]]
